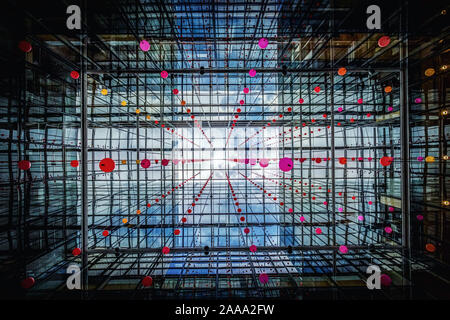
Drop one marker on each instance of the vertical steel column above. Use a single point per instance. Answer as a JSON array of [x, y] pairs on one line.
[[404, 137], [333, 165], [84, 167]]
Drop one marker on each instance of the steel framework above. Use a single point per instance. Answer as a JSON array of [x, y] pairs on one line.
[[386, 202]]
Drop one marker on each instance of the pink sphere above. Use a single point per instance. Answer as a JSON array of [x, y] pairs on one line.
[[385, 280], [263, 278], [388, 229], [340, 109], [318, 231], [263, 42], [164, 74], [263, 163], [343, 249], [286, 164], [390, 108], [246, 90], [302, 219], [252, 73], [253, 248], [144, 45], [360, 218], [241, 102], [419, 217]]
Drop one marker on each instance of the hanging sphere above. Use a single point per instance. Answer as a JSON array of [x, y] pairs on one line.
[[107, 165], [147, 281], [286, 164]]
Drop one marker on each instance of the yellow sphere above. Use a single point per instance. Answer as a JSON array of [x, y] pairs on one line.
[[429, 159], [104, 92], [124, 103], [138, 111], [124, 220], [138, 161], [148, 117]]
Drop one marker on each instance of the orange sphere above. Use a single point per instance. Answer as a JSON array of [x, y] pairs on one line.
[[430, 247], [342, 71], [429, 72], [183, 102], [387, 89]]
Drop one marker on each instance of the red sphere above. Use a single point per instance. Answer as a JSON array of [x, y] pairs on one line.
[[107, 165], [165, 250], [76, 252], [74, 163], [386, 161], [25, 46], [384, 41], [74, 74], [105, 233], [27, 283], [147, 281], [176, 232], [24, 165]]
